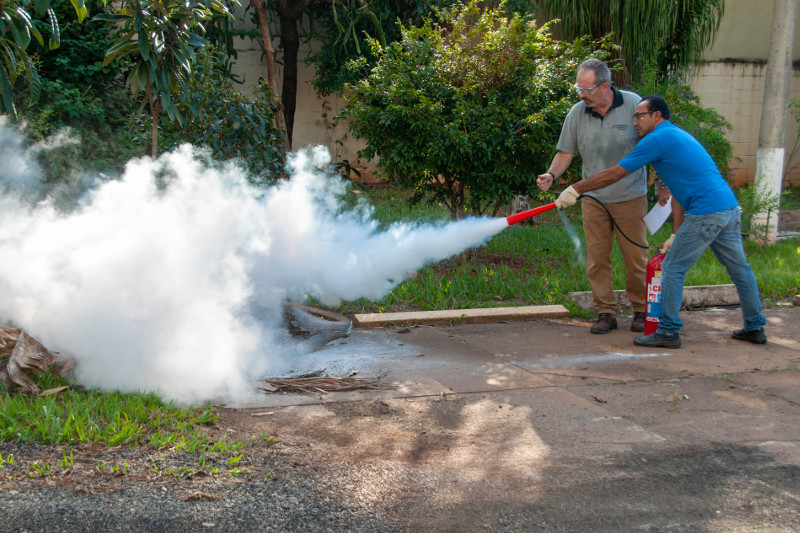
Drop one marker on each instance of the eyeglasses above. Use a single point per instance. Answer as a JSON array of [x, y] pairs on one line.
[[588, 90], [638, 116]]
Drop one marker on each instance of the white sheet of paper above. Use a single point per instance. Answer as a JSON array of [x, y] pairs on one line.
[[657, 216]]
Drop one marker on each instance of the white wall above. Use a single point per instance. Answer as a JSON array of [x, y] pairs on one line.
[[731, 80], [313, 115]]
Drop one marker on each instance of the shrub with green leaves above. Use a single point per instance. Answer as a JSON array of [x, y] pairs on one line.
[[466, 111], [83, 106], [227, 121]]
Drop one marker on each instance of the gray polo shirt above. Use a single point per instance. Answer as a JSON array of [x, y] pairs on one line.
[[602, 142]]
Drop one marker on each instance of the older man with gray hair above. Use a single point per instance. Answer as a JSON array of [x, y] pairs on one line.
[[600, 129]]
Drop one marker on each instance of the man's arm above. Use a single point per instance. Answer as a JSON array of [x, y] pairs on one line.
[[677, 215], [663, 193], [559, 165], [601, 179], [597, 181]]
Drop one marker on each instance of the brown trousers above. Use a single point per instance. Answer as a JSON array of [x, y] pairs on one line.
[[599, 230]]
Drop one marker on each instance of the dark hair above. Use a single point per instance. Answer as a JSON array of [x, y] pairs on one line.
[[656, 103], [602, 74]]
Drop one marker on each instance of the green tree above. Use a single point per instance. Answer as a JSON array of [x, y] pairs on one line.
[[343, 26], [465, 111], [78, 92], [17, 29], [229, 123], [671, 34], [161, 36]]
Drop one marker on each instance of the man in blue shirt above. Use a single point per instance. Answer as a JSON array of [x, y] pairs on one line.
[[710, 217]]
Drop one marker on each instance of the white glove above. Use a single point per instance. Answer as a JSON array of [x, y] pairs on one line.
[[567, 198], [667, 244]]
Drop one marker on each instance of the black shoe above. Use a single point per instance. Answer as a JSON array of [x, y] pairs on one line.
[[756, 336], [658, 340], [637, 323], [605, 323]]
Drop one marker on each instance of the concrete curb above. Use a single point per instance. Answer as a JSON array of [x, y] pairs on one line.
[[693, 296], [462, 316]]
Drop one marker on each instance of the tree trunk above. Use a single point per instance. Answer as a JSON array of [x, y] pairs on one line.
[[269, 54], [155, 112], [291, 11], [772, 133], [291, 44]]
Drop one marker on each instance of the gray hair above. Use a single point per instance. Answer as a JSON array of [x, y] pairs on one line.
[[602, 74]]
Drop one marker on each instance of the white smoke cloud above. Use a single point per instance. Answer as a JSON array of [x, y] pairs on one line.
[[179, 288], [19, 173]]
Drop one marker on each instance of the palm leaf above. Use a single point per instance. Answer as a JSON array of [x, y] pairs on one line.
[[6, 91], [55, 32], [27, 356]]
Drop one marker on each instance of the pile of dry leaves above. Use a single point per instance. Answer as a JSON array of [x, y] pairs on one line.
[[20, 355]]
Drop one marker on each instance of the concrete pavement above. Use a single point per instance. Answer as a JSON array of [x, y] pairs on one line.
[[518, 418]]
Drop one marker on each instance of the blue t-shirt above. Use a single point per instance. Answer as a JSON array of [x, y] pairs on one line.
[[686, 168]]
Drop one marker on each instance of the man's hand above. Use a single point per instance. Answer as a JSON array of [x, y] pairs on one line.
[[567, 198], [667, 244], [544, 181], [663, 195]]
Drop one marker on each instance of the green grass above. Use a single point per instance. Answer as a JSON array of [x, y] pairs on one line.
[[74, 417], [542, 265]]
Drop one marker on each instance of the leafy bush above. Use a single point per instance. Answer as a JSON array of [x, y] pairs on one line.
[[466, 111], [226, 121], [77, 122], [757, 204]]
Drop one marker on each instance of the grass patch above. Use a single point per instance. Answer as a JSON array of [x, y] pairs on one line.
[[540, 264], [112, 419], [524, 264]]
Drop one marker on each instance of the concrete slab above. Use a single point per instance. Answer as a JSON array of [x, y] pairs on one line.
[[506, 420], [461, 316], [693, 296]]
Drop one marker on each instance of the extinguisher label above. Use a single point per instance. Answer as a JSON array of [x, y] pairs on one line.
[[654, 298]]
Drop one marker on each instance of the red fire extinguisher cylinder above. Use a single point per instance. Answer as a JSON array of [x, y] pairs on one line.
[[653, 309]]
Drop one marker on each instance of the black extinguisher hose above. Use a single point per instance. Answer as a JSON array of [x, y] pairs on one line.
[[614, 221]]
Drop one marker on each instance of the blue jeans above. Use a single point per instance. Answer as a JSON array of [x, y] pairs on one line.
[[720, 231]]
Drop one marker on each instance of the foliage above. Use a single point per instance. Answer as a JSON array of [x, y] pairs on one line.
[[162, 36], [17, 29], [75, 416], [463, 111], [226, 121], [705, 124], [82, 102], [792, 157], [671, 34], [343, 27], [790, 198], [757, 203]]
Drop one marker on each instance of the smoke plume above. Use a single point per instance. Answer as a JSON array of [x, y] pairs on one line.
[[173, 277]]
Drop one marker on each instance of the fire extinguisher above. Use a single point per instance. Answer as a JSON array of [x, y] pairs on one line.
[[653, 292]]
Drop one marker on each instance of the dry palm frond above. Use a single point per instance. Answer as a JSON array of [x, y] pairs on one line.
[[312, 383], [8, 339], [27, 355]]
